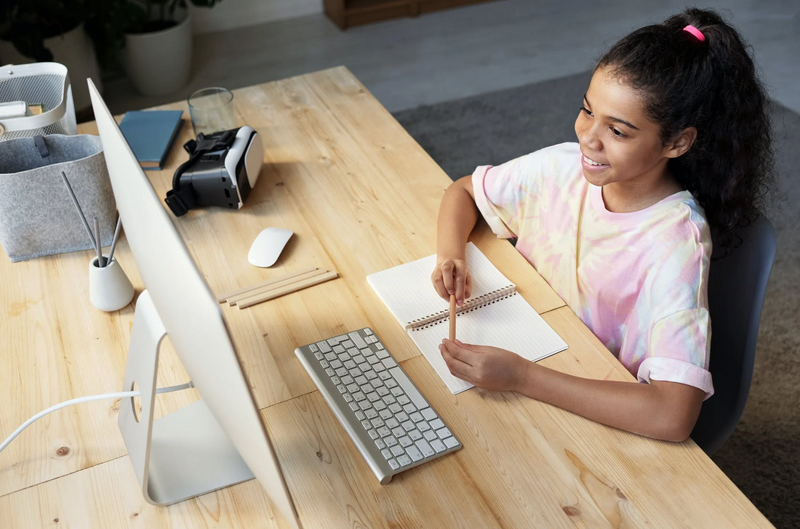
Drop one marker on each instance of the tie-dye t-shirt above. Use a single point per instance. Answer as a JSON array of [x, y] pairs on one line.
[[638, 280]]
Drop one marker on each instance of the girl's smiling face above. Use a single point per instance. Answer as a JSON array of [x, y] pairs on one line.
[[621, 146]]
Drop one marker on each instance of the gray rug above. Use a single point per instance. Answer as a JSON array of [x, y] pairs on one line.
[[763, 455]]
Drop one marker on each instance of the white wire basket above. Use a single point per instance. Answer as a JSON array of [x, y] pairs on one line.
[[42, 83]]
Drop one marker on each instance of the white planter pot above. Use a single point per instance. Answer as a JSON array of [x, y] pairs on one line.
[[73, 49], [160, 62]]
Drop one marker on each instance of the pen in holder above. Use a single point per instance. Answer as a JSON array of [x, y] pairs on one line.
[[109, 287]]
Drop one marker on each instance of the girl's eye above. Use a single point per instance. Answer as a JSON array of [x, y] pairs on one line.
[[617, 132], [586, 110]]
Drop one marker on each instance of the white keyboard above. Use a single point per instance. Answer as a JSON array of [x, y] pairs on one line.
[[384, 413]]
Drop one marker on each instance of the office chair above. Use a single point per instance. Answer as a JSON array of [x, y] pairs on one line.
[[736, 287]]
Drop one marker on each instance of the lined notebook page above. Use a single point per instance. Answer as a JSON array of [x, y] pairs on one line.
[[510, 323], [408, 292]]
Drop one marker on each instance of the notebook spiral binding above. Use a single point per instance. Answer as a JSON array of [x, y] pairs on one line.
[[472, 304]]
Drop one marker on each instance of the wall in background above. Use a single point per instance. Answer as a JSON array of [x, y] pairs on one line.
[[230, 14]]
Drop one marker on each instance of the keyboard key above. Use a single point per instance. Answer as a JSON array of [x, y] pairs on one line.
[[409, 408], [349, 364], [373, 434], [343, 357], [330, 372], [373, 396], [391, 383], [409, 388], [384, 431], [443, 433], [398, 450], [347, 380], [313, 348], [390, 441], [380, 406], [394, 464], [425, 448], [357, 340], [371, 374], [347, 344], [396, 391], [333, 341], [336, 380], [359, 396], [383, 391], [366, 425], [365, 404], [319, 356], [384, 375], [352, 388], [404, 460], [404, 441], [347, 397], [389, 363], [324, 364], [403, 400], [368, 331], [429, 414], [414, 452], [415, 435], [430, 435], [392, 422], [423, 426], [379, 368], [355, 372], [358, 359], [385, 414], [361, 380], [408, 426], [395, 408], [438, 446], [338, 349], [341, 371], [380, 444], [436, 424], [336, 363], [387, 454], [371, 414], [377, 422], [373, 360], [450, 442], [341, 388], [353, 406], [379, 345], [401, 417], [416, 417], [383, 353], [360, 415], [352, 351], [324, 347]]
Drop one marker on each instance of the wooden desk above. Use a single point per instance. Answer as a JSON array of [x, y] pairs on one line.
[[361, 196]]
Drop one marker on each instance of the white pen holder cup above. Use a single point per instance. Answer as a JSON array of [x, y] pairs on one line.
[[109, 287]]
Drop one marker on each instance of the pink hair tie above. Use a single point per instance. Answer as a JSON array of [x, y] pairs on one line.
[[696, 32]]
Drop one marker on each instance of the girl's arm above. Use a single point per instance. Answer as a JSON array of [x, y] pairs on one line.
[[457, 217], [662, 410]]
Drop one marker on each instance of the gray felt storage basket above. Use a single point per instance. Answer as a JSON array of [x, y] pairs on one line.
[[37, 215]]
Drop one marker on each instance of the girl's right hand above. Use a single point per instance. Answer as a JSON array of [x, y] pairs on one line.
[[451, 276]]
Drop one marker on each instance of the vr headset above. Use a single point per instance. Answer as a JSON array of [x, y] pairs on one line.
[[221, 171]]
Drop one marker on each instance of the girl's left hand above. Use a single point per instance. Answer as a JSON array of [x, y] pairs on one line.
[[487, 367]]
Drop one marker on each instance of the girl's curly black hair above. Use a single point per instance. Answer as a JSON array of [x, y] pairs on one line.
[[711, 85]]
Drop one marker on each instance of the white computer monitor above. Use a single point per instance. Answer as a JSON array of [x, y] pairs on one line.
[[214, 442]]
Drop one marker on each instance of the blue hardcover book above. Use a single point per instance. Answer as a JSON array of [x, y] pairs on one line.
[[151, 133]]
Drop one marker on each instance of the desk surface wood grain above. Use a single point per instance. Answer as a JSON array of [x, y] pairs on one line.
[[361, 196]]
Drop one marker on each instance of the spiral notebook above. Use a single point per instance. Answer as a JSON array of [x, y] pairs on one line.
[[494, 314]]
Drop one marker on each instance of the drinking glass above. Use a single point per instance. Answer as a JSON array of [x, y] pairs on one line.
[[212, 110]]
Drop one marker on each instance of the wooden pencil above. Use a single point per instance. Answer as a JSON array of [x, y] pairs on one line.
[[288, 289], [452, 317], [286, 281], [223, 298]]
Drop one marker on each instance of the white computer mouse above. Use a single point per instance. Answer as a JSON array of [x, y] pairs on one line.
[[268, 246]]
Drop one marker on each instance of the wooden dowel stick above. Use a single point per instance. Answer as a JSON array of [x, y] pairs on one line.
[[233, 300], [224, 297], [294, 287], [452, 317]]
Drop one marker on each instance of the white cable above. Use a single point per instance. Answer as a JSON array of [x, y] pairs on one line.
[[90, 398]]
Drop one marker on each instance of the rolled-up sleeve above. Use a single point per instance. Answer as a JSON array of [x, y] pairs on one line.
[[678, 350]]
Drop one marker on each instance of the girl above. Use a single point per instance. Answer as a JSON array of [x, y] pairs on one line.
[[673, 141]]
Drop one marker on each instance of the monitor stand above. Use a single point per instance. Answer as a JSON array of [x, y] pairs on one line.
[[183, 454]]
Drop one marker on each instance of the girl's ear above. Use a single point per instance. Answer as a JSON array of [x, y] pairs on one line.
[[682, 143]]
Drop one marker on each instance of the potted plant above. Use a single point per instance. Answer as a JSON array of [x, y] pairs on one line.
[[158, 45], [50, 30]]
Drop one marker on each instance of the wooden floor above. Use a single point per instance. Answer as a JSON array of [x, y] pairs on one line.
[[467, 51]]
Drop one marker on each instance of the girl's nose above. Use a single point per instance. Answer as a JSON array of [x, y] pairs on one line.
[[589, 138]]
